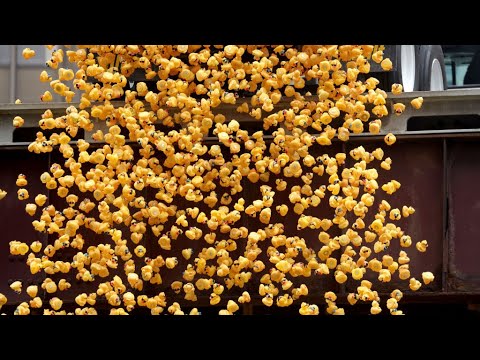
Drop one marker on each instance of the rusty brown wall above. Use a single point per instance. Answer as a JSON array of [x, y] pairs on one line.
[[433, 186], [418, 166]]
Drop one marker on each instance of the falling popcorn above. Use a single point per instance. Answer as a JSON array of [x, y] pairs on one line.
[[154, 174], [28, 53]]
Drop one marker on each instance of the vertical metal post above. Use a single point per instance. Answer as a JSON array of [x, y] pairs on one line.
[[445, 213], [13, 73]]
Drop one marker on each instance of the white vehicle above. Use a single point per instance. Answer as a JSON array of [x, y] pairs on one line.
[[416, 67], [431, 67]]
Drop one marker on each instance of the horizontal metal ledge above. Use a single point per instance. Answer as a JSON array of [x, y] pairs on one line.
[[438, 95], [456, 94], [412, 135], [434, 297], [455, 102]]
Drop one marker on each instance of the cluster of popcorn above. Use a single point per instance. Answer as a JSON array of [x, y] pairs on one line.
[[150, 174]]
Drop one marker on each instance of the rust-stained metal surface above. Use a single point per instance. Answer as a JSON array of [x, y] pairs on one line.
[[464, 215], [418, 164]]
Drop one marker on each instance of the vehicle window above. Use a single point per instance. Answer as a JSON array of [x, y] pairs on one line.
[[462, 65]]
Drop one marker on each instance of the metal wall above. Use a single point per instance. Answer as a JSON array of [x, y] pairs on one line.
[[438, 176]]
